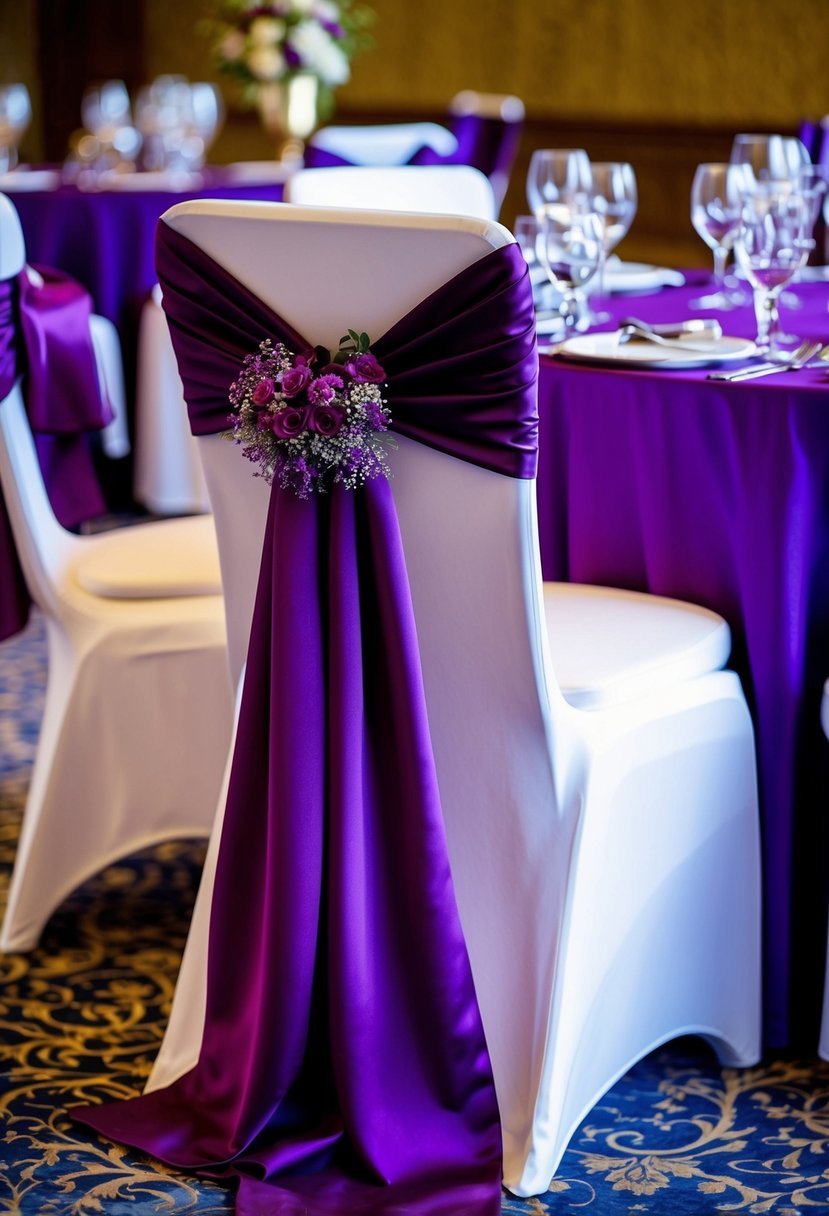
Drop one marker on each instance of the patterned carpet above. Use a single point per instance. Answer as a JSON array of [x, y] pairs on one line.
[[81, 1019]]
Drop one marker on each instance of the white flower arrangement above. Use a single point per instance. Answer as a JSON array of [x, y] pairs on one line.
[[263, 44]]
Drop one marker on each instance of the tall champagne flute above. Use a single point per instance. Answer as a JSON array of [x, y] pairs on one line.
[[716, 200], [773, 243], [615, 200]]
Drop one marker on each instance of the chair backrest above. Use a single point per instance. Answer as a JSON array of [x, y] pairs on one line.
[[387, 144], [504, 106], [439, 189], [43, 546], [469, 538]]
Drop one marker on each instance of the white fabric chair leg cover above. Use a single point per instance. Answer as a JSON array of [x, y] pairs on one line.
[[168, 477]]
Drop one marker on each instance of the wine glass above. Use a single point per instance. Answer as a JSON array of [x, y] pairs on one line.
[[557, 174], [15, 116], [716, 202], [773, 242], [770, 158], [559, 181], [570, 249], [614, 198], [526, 232]]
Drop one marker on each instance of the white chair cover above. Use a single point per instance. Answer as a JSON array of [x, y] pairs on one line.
[[597, 853]]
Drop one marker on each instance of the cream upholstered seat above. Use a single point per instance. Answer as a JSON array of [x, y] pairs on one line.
[[597, 853], [138, 706]]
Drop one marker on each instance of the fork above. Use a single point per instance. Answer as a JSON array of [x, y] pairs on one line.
[[804, 353]]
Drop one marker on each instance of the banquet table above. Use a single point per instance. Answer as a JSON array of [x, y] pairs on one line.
[[667, 481], [106, 240]]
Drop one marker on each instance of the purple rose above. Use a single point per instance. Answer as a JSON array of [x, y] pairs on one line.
[[326, 419], [366, 369], [295, 379], [324, 389], [288, 422], [263, 393]]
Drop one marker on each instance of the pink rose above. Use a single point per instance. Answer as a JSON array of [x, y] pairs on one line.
[[263, 393], [295, 380], [326, 420], [289, 422]]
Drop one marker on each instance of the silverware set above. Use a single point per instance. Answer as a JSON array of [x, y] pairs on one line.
[[801, 357]]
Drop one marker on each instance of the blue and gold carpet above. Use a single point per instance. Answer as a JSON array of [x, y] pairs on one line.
[[82, 1017]]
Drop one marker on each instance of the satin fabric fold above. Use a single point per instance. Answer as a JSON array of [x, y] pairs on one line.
[[44, 333], [343, 1066]]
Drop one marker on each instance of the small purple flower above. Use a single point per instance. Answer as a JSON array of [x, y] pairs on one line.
[[295, 380], [325, 388], [263, 393], [292, 58], [288, 422], [375, 417], [326, 420], [333, 28], [365, 369]]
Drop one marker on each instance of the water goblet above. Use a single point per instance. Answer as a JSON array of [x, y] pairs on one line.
[[716, 201], [555, 174], [614, 198], [773, 243], [570, 249], [770, 158]]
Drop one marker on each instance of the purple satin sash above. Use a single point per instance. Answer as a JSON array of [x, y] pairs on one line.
[[343, 1067], [52, 345]]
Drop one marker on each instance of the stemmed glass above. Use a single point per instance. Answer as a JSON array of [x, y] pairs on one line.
[[570, 249], [771, 158], [716, 201], [559, 183], [615, 200], [15, 116], [773, 243]]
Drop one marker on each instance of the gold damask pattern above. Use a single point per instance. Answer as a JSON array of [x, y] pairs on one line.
[[81, 1019]]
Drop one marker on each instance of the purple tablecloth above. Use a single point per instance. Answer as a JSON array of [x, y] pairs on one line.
[[719, 493], [106, 239]]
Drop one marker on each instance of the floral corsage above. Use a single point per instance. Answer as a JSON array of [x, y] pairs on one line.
[[310, 420]]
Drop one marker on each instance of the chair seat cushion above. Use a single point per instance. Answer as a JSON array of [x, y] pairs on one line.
[[610, 645], [158, 560]]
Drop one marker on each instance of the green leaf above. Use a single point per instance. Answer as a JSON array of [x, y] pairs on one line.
[[363, 342]]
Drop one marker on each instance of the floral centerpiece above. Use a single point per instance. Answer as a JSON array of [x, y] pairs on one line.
[[310, 421], [268, 48]]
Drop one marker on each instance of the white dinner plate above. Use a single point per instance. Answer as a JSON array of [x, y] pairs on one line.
[[621, 277], [606, 348]]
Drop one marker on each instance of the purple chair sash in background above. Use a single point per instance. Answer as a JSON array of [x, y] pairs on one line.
[[44, 332], [343, 1066]]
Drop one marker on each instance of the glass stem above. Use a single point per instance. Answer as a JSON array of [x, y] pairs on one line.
[[720, 262], [768, 319]]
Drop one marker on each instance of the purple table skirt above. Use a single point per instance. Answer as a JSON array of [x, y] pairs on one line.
[[719, 493]]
